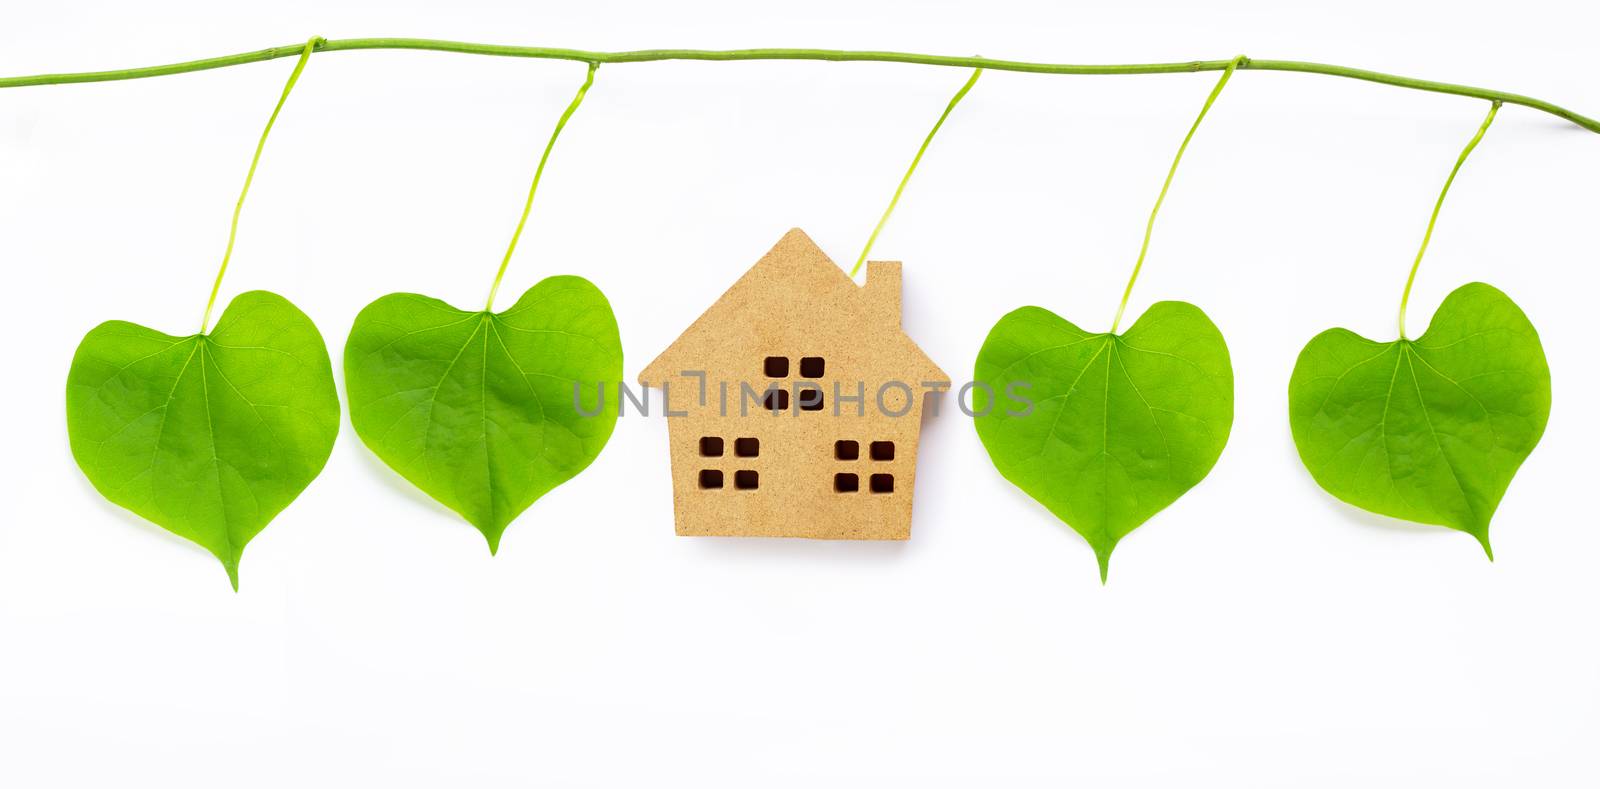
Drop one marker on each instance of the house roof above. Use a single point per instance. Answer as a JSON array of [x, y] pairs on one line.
[[869, 314]]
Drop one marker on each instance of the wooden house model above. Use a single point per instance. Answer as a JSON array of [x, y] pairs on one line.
[[795, 402]]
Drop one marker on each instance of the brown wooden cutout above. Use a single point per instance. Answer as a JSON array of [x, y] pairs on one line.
[[796, 323]]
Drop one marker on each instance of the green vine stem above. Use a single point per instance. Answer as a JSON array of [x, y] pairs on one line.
[[1405, 296], [1150, 225], [647, 55], [250, 175], [893, 201], [534, 187]]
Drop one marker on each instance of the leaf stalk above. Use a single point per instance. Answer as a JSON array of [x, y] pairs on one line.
[[915, 160], [250, 175], [533, 188], [1405, 296], [1150, 225]]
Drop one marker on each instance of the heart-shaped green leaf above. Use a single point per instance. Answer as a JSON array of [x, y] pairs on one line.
[[1119, 426], [209, 436], [481, 410], [1429, 430]]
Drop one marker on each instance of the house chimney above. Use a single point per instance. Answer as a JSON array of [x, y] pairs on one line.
[[882, 291]]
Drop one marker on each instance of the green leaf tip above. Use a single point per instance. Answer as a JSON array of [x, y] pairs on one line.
[[1430, 430], [207, 436], [1104, 430], [486, 412]]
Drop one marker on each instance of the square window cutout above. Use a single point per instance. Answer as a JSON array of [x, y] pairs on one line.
[[710, 447], [747, 447], [846, 450], [775, 400], [810, 399], [846, 483], [776, 366], [710, 479], [882, 483], [812, 366], [746, 479], [883, 450]]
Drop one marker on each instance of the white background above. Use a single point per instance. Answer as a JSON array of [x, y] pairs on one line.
[[1256, 633]]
